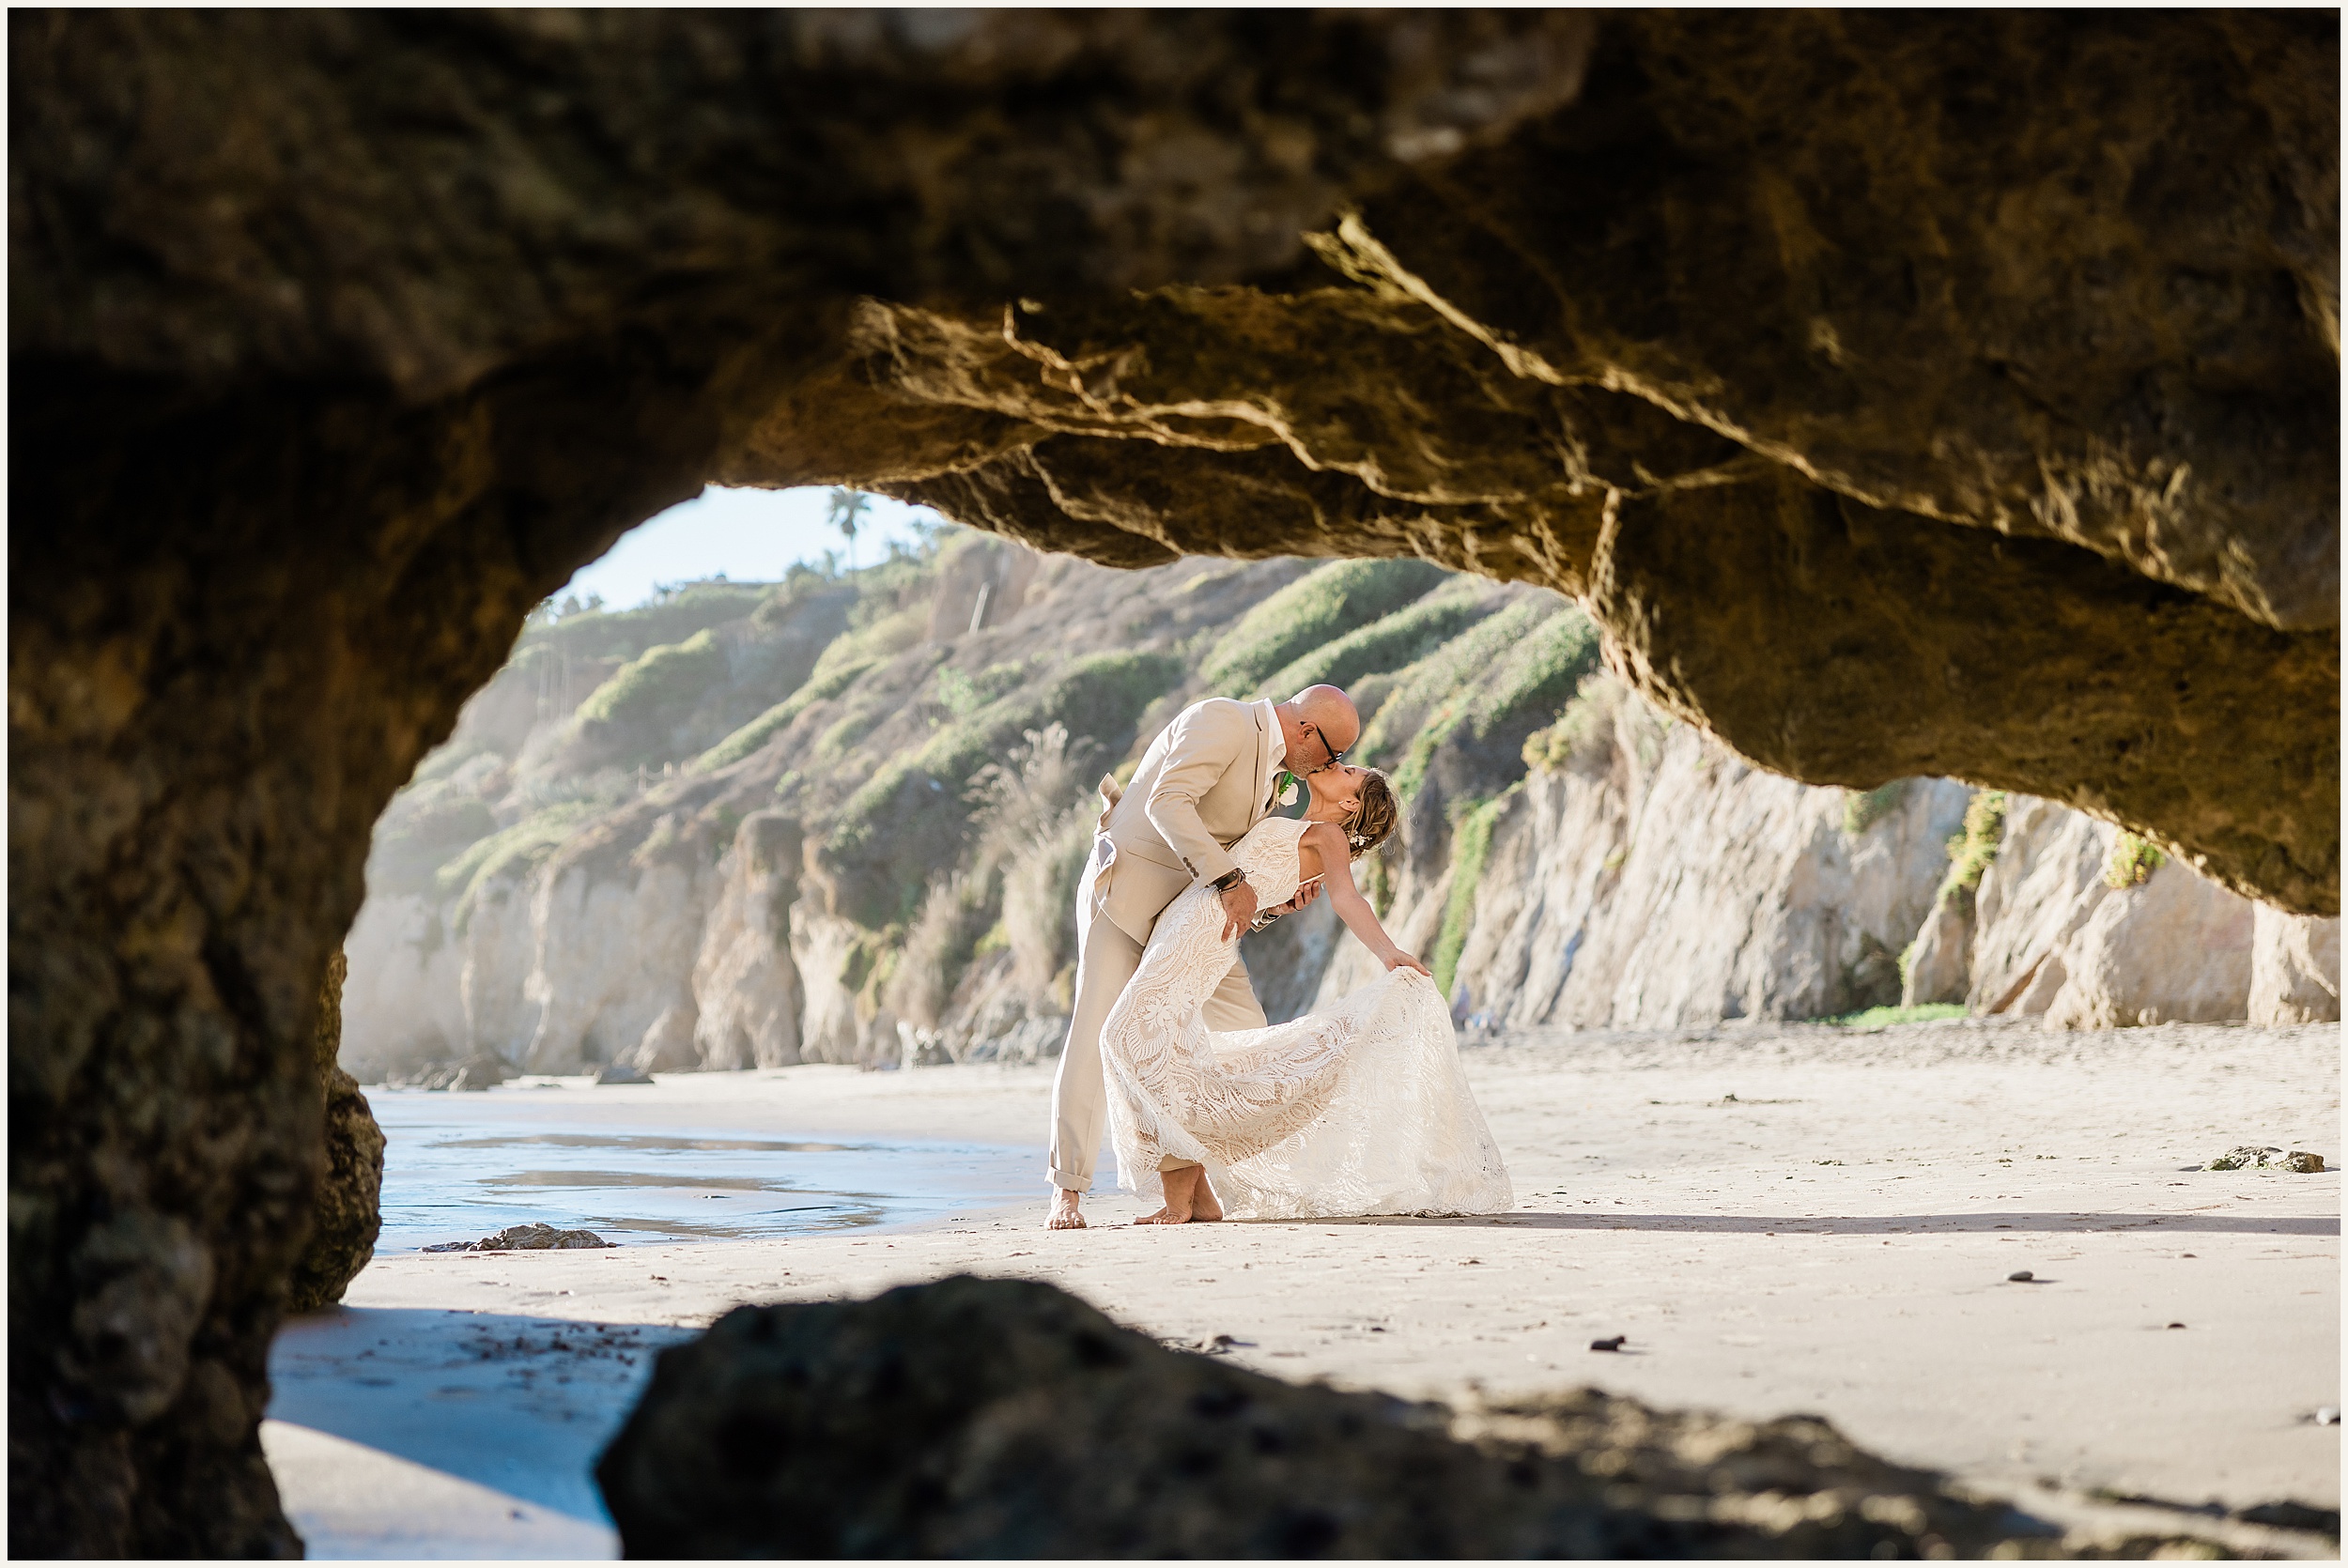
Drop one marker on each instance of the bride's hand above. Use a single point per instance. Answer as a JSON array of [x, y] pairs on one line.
[[1400, 959]]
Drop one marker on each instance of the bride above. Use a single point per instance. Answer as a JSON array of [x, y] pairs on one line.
[[1363, 1109]]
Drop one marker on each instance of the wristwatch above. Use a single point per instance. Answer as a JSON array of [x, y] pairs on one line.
[[1228, 880]]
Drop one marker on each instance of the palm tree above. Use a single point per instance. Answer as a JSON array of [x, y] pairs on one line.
[[846, 511]]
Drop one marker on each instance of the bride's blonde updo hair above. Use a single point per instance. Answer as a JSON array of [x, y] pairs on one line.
[[1375, 819]]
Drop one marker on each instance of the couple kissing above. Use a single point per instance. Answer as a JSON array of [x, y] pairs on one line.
[[1359, 1108]]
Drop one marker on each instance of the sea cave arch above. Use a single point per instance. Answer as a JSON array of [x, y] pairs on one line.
[[1951, 394]]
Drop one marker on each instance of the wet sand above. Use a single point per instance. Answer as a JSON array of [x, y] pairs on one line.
[[1780, 1220]]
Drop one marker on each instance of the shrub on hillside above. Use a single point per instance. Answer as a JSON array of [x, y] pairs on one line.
[[2131, 861], [956, 913], [1582, 739], [661, 680], [963, 694], [1391, 643], [515, 850], [673, 618], [1039, 901], [915, 814], [1421, 689], [767, 726], [873, 640], [1313, 610], [1032, 818], [1972, 850], [1495, 702]]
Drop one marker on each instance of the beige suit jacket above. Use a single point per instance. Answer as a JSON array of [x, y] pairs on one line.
[[1201, 785]]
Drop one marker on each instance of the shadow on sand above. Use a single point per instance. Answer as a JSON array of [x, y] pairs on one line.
[[1866, 1224], [522, 1404]]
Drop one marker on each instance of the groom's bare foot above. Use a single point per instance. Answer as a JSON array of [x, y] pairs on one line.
[[1065, 1214]]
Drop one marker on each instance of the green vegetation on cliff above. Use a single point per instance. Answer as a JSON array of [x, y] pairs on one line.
[[1863, 809], [1392, 643], [1471, 846], [767, 726], [2131, 861], [1583, 735], [1972, 852], [672, 617], [911, 817], [1310, 613], [1870, 1020], [502, 854], [663, 679], [1522, 690]]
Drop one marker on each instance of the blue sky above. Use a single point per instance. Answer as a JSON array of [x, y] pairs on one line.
[[749, 535]]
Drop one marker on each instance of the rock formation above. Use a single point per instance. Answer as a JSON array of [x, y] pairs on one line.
[[348, 1211], [1644, 876], [1952, 395], [2295, 968], [1572, 857], [870, 1429], [2061, 931]]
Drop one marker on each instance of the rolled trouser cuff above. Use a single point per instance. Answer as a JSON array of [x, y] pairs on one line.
[[1070, 1183]]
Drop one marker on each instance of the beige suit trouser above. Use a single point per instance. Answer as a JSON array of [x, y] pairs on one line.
[[1107, 957]]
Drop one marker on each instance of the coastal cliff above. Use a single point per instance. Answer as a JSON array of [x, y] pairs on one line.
[[840, 819]]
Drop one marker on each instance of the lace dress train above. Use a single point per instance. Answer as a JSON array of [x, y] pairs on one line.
[[1363, 1109]]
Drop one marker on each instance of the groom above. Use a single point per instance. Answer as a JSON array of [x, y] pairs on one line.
[[1201, 785]]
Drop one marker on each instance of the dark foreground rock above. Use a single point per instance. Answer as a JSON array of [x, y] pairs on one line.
[[350, 1190], [1001, 1418]]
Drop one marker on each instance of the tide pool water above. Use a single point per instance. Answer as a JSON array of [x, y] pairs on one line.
[[458, 1166]]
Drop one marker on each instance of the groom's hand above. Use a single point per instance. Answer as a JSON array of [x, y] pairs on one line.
[[1239, 907]]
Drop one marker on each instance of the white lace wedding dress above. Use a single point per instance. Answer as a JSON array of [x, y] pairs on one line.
[[1363, 1109]]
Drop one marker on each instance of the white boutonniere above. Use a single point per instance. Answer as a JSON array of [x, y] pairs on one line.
[[1284, 789]]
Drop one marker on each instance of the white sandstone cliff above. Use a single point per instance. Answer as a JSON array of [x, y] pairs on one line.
[[1658, 880], [629, 904]]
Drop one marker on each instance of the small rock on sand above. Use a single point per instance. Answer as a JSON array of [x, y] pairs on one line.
[[2020, 1276], [2253, 1157], [532, 1238], [621, 1073]]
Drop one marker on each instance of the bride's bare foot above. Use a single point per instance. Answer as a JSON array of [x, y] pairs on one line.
[[1204, 1204], [1065, 1215], [1181, 1189]]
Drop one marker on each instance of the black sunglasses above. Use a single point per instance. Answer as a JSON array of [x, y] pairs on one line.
[[1335, 756]]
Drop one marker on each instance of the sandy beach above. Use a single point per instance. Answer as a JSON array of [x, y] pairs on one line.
[[1779, 1219]]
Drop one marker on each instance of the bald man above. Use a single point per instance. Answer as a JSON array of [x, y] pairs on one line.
[[1201, 785]]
